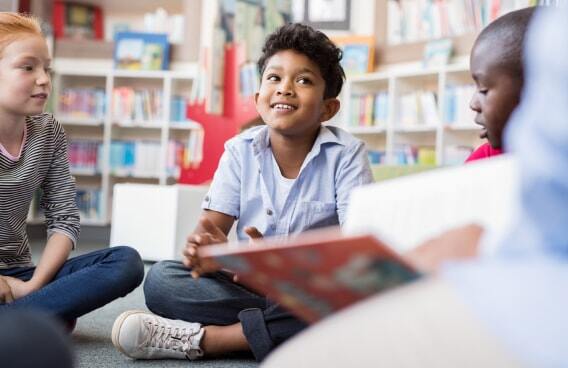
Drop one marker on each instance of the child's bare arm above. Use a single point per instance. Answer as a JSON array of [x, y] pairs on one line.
[[456, 244]]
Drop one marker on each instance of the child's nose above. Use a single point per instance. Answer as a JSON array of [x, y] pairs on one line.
[[474, 103], [43, 78], [285, 89]]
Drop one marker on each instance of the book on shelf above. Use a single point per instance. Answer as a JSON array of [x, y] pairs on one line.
[[413, 155], [376, 157], [369, 109], [89, 203], [412, 21], [418, 108], [456, 105], [316, 273], [130, 106], [85, 156], [139, 158], [82, 103]]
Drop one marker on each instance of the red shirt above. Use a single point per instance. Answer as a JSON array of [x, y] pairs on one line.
[[483, 151]]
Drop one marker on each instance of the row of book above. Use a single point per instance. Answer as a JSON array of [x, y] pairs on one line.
[[82, 103], [141, 158], [369, 109], [136, 106], [456, 104], [404, 155], [412, 155], [178, 108], [188, 154], [418, 108], [84, 156], [416, 20], [89, 202]]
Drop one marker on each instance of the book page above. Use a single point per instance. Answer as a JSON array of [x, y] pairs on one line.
[[406, 211]]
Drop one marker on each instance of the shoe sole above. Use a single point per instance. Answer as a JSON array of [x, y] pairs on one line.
[[115, 334]]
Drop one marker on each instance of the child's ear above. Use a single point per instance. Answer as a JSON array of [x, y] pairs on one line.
[[256, 98], [330, 108]]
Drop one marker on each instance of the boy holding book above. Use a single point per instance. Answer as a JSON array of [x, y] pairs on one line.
[[496, 66], [283, 178]]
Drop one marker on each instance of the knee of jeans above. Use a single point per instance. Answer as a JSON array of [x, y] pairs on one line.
[[155, 280], [131, 265]]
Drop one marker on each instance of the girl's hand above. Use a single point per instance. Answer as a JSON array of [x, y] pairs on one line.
[[5, 291], [20, 288]]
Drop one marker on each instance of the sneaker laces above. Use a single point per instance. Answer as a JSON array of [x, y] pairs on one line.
[[182, 339]]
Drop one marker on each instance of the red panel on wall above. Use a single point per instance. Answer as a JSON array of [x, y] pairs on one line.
[[237, 110]]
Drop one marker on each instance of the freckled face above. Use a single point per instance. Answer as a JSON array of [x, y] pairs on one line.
[[25, 82]]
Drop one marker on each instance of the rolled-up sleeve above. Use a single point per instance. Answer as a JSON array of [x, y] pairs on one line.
[[58, 192], [225, 192], [354, 171]]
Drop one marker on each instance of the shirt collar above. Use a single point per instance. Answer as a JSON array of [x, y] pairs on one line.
[[260, 138]]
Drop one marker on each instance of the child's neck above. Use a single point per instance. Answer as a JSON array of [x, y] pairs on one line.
[[12, 132], [290, 152]]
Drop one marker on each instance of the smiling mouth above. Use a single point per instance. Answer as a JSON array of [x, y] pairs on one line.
[[283, 107], [40, 95]]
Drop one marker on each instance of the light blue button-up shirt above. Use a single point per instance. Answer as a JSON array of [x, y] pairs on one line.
[[244, 183], [521, 294]]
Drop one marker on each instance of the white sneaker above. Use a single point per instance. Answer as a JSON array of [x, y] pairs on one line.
[[143, 335]]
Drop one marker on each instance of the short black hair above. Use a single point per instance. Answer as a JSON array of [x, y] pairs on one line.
[[507, 34], [315, 45]]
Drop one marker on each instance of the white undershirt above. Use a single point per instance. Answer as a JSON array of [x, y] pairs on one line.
[[282, 187]]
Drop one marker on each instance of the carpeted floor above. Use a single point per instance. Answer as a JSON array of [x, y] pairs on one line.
[[91, 339], [93, 347]]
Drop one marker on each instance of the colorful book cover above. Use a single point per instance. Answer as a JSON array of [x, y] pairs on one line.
[[316, 273]]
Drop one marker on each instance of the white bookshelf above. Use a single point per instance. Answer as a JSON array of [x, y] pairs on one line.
[[396, 83], [107, 128]]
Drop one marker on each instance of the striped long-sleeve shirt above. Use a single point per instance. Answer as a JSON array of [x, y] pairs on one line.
[[43, 163]]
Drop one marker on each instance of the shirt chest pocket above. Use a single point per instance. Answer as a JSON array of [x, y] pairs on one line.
[[318, 214]]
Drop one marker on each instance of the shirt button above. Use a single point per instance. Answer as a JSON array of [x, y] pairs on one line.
[[206, 198], [269, 212]]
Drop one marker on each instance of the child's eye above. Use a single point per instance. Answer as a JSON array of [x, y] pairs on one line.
[[482, 91], [48, 70], [303, 80], [272, 78], [27, 68]]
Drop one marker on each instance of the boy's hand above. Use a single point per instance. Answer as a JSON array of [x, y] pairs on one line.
[[455, 244], [253, 233], [209, 234], [5, 291]]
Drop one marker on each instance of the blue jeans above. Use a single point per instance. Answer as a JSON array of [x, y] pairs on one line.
[[214, 299], [82, 284]]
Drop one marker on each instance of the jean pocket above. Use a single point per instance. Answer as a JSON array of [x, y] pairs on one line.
[[319, 214]]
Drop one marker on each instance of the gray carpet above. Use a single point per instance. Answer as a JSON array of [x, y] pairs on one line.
[[93, 347], [91, 339]]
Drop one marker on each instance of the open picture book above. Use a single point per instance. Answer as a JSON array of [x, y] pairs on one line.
[[316, 273]]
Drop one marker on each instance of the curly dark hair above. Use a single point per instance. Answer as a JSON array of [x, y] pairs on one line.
[[312, 43]]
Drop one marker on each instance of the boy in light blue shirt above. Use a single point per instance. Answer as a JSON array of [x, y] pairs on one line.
[[292, 175]]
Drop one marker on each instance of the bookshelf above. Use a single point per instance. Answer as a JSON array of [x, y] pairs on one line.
[[106, 148], [419, 121]]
